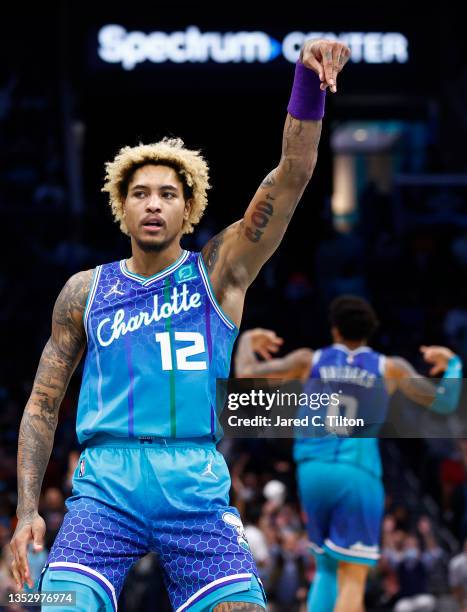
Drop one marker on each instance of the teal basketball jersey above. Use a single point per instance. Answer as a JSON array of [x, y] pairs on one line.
[[357, 377], [155, 349]]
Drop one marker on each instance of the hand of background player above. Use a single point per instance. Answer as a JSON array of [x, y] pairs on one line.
[[264, 342], [438, 357], [27, 530], [326, 58]]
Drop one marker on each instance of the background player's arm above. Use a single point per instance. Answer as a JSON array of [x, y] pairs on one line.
[[295, 365], [235, 256], [57, 363], [402, 376]]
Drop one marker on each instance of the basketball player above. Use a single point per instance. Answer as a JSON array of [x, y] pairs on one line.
[[159, 329], [339, 477]]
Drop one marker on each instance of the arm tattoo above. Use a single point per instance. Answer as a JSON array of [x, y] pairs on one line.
[[238, 256], [263, 211], [210, 251], [300, 143], [58, 361], [299, 153], [270, 180], [238, 606]]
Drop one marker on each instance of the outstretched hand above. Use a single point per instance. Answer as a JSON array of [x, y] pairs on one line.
[[438, 357], [326, 58], [264, 342]]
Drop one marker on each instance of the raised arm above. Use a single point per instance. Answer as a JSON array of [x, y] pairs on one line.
[[293, 366], [442, 398], [57, 363], [235, 256]]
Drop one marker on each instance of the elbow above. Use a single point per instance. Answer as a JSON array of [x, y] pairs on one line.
[[303, 176], [309, 168], [297, 172]]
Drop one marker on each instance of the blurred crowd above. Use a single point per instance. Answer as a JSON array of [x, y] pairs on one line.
[[423, 566]]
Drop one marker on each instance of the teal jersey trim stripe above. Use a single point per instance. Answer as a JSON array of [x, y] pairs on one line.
[[149, 280], [90, 298], [229, 356], [168, 327], [207, 283]]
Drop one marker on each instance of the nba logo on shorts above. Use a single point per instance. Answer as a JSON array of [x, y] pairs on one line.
[[81, 467]]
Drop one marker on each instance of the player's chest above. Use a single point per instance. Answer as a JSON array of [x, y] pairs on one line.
[[125, 310]]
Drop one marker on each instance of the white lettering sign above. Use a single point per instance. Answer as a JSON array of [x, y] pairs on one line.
[[118, 46], [109, 330]]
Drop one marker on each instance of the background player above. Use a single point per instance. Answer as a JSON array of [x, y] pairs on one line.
[[159, 329], [340, 478]]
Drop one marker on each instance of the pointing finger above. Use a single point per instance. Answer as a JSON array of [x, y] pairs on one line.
[[336, 53], [344, 57], [327, 64]]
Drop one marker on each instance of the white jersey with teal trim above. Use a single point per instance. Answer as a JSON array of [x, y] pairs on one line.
[[155, 349], [357, 379]]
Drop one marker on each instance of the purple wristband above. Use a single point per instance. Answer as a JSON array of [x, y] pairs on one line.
[[307, 99]]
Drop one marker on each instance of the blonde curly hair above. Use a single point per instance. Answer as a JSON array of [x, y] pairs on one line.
[[189, 165]]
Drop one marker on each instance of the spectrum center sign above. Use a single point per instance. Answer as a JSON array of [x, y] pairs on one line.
[[116, 45]]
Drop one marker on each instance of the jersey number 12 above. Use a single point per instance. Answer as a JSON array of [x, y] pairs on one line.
[[196, 347]]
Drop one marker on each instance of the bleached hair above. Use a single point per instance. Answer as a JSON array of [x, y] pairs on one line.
[[189, 164]]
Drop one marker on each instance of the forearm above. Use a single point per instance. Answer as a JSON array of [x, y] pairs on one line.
[[299, 150], [271, 210], [36, 436], [37, 429], [442, 398], [302, 128], [39, 422]]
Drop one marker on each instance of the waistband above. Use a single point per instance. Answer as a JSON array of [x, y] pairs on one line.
[[149, 442]]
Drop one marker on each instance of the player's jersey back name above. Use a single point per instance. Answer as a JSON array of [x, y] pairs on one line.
[[358, 379]]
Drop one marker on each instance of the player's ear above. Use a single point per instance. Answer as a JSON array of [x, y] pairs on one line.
[[188, 206]]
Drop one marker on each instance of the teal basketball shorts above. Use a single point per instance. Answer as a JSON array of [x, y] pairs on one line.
[[344, 506], [131, 497]]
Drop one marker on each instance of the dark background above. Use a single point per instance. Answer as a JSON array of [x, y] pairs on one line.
[[63, 114]]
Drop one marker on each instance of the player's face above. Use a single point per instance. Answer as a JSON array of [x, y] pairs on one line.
[[155, 207]]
